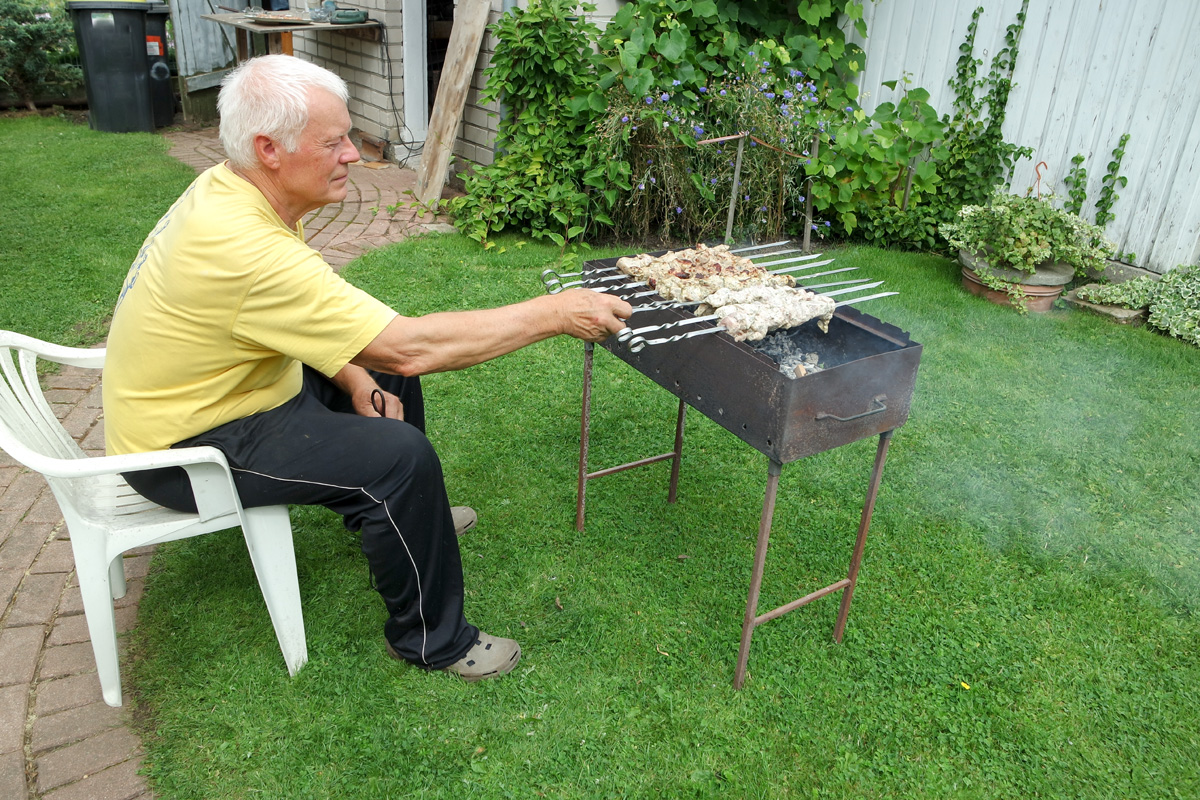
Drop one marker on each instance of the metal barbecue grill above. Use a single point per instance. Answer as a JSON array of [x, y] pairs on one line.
[[864, 389]]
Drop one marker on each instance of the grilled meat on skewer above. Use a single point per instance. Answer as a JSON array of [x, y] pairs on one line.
[[693, 274]]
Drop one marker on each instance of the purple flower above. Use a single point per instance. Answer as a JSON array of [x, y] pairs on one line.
[[641, 186], [649, 101], [675, 83], [849, 108], [747, 197], [664, 97], [763, 70], [801, 198], [770, 95], [722, 93], [625, 118], [764, 208], [653, 179], [787, 95], [698, 130], [828, 224], [678, 210], [649, 160], [714, 181], [703, 90]]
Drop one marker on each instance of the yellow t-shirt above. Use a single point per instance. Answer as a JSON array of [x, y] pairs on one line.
[[222, 306]]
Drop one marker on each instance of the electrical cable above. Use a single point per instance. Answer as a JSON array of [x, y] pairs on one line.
[[410, 145]]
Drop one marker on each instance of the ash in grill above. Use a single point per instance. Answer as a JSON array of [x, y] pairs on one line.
[[864, 388], [795, 359]]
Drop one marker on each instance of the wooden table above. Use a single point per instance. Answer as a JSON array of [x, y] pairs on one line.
[[279, 36]]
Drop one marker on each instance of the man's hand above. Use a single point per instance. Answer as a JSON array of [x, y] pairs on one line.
[[591, 316], [377, 403], [366, 397]]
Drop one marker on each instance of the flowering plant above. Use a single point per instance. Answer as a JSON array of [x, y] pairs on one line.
[[680, 181], [1022, 233]]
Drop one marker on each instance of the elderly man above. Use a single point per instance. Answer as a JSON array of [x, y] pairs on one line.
[[230, 331]]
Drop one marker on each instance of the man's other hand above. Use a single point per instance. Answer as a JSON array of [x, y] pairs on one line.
[[375, 402]]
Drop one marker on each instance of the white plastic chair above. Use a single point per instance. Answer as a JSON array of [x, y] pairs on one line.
[[106, 517]]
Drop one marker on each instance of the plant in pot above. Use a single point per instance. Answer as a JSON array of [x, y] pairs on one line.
[[1022, 250]]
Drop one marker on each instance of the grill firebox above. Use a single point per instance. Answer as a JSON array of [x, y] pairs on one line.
[[864, 389]]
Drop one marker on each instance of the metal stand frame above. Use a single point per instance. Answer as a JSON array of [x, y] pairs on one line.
[[752, 618]]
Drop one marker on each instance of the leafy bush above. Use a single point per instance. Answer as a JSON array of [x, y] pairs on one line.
[[543, 59], [37, 48], [682, 188], [1173, 300], [1176, 304], [650, 42], [1021, 233], [1134, 293]]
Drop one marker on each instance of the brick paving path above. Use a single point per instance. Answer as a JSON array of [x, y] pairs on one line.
[[58, 739]]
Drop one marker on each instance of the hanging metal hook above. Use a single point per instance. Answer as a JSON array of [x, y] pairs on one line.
[[1038, 180]]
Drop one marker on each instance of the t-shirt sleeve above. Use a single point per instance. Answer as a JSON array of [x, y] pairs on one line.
[[301, 308]]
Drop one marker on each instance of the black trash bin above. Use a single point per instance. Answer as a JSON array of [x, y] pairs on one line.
[[162, 94], [112, 47]]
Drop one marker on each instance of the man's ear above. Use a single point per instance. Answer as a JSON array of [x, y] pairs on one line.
[[267, 150]]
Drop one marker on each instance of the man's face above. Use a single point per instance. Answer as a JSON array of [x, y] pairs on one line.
[[316, 174]]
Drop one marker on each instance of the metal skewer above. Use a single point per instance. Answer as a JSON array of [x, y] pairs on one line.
[[761, 246], [766, 264], [624, 335], [637, 343]]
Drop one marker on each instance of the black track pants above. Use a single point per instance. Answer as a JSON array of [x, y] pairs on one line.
[[381, 475]]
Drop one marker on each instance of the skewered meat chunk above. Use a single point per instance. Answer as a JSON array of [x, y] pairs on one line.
[[749, 314], [693, 274]]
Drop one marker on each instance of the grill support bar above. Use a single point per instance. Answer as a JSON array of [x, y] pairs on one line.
[[585, 435], [751, 619]]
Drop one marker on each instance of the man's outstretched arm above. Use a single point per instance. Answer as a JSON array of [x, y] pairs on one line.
[[453, 340]]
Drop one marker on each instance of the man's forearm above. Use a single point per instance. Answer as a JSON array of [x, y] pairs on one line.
[[458, 339]]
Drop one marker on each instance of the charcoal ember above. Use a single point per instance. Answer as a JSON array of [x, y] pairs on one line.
[[785, 351]]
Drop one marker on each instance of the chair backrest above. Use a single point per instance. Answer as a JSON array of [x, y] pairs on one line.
[[28, 425]]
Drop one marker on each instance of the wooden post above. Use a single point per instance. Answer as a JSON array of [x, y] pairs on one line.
[[470, 20]]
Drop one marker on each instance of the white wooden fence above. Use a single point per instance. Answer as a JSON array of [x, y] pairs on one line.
[[1088, 72]]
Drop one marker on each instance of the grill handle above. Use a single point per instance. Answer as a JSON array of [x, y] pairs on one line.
[[877, 400]]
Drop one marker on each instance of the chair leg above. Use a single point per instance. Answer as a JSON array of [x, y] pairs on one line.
[[268, 533], [96, 591], [116, 578]]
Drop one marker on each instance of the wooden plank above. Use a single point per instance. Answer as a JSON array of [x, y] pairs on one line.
[[470, 20]]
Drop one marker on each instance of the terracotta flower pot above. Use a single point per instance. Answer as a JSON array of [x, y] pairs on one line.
[[1041, 288]]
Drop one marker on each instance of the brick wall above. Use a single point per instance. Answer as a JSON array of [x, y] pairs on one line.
[[377, 98]]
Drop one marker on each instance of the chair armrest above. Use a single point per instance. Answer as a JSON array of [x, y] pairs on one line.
[[212, 482], [90, 358]]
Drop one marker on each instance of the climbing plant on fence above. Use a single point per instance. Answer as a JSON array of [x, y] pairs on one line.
[[543, 59]]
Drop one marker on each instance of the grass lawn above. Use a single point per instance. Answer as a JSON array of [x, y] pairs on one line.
[[1024, 625]]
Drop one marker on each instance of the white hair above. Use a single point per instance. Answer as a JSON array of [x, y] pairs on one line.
[[269, 95]]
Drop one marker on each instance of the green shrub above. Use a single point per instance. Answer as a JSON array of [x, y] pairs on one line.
[[37, 48], [1173, 300], [1134, 293], [681, 189], [543, 59], [1176, 304]]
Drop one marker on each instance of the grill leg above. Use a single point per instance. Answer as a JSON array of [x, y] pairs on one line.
[[584, 430], [885, 438], [760, 560], [673, 493]]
